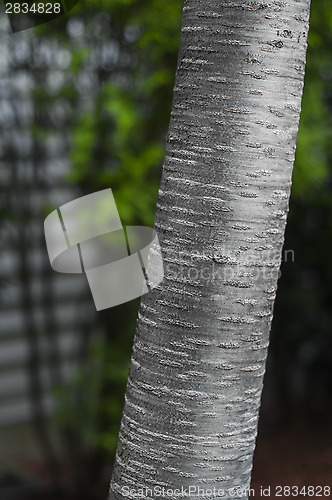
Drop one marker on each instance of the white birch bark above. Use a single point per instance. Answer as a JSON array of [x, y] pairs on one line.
[[194, 389]]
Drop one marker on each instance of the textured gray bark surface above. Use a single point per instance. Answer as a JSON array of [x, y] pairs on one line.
[[194, 389]]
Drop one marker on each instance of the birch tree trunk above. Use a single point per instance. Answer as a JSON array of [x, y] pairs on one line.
[[194, 389]]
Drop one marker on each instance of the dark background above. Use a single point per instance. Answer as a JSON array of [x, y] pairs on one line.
[[84, 104]]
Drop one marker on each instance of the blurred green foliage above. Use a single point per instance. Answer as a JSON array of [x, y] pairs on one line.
[[117, 140], [95, 411], [314, 142]]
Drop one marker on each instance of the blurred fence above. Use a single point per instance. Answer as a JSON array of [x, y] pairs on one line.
[[46, 318]]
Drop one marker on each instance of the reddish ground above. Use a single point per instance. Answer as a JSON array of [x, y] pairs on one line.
[[295, 456]]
